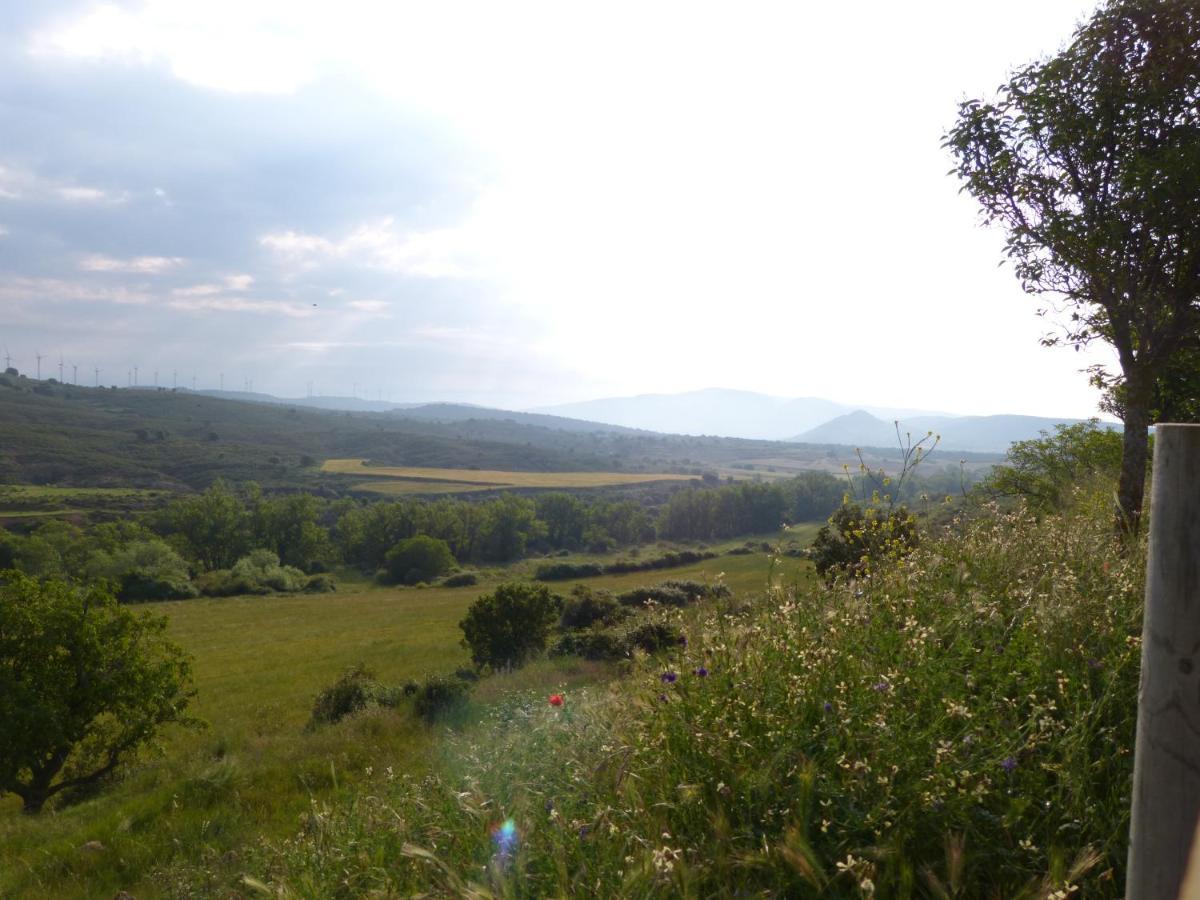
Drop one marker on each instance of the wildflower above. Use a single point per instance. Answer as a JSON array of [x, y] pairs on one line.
[[701, 672], [668, 677], [556, 699], [1008, 764], [662, 697], [828, 707], [683, 641], [880, 686]]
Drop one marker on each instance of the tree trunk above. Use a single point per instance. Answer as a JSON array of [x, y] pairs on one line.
[[1131, 487]]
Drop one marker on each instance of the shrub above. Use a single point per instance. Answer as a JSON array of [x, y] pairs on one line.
[[653, 637], [561, 571], [674, 593], [505, 628], [415, 559], [585, 607], [440, 696], [349, 694], [320, 584], [460, 579], [599, 645], [257, 573], [144, 570], [854, 538]]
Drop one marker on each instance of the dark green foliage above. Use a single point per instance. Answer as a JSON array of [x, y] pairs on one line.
[[1090, 161], [607, 644], [353, 691], [440, 696], [460, 579], [320, 584], [1044, 470], [563, 571], [505, 628], [257, 573], [855, 537], [653, 637], [83, 683], [416, 559], [143, 571], [666, 561], [674, 593], [586, 607], [211, 528]]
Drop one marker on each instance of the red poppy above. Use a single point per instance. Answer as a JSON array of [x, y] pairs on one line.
[[556, 699]]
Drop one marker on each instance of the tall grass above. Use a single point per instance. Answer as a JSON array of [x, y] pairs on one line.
[[958, 723]]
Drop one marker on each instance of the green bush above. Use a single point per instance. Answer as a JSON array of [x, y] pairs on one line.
[[562, 571], [674, 593], [607, 644], [417, 559], [503, 629], [353, 691], [586, 607], [320, 584], [856, 538], [654, 637], [257, 573], [440, 696], [460, 579]]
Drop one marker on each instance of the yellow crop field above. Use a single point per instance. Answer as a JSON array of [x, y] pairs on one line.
[[416, 479]]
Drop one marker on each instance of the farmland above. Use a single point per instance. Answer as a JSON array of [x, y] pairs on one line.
[[254, 769], [419, 479]]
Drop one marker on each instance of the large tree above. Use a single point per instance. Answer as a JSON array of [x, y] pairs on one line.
[[83, 683], [1090, 160]]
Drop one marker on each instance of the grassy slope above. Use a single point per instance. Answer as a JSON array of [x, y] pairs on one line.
[[259, 661]]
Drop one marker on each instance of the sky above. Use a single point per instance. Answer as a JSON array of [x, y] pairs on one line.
[[517, 204]]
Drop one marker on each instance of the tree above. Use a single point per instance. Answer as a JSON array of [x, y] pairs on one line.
[[212, 526], [1090, 161], [1044, 469], [420, 558], [505, 628], [83, 682]]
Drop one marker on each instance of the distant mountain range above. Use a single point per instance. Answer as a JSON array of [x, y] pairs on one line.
[[969, 433], [719, 412]]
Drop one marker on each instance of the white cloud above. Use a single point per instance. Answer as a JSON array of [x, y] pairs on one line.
[[442, 253], [239, 304], [141, 265], [369, 306]]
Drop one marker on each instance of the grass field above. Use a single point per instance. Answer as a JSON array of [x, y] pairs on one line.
[[417, 479], [254, 771]]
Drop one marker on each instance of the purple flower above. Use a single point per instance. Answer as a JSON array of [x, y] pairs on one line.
[[683, 640], [881, 686], [1008, 763], [668, 677], [828, 707], [701, 672], [662, 697]]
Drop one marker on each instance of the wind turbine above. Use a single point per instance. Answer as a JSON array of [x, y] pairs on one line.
[[7, 358], [39, 364], [135, 368], [97, 368], [74, 374], [60, 368]]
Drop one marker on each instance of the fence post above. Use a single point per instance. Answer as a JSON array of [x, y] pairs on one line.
[[1166, 761]]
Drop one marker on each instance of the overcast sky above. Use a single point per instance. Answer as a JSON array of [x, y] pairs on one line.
[[517, 204]]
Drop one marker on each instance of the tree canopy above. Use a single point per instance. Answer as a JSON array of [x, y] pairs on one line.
[[1090, 161], [83, 682]]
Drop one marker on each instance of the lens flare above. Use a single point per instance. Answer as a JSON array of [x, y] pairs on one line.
[[504, 836]]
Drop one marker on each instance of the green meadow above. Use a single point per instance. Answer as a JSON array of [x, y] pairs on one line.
[[254, 771]]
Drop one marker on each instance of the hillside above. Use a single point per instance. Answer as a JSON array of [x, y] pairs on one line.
[[960, 433], [717, 411]]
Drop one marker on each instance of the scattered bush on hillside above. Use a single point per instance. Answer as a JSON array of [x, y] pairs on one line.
[[855, 538], [666, 561], [353, 691], [655, 636], [505, 628], [320, 584], [440, 696], [674, 593], [143, 571], [460, 579], [417, 559], [561, 571], [606, 644], [587, 607], [257, 573]]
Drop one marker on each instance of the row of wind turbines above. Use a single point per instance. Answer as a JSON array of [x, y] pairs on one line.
[[132, 375]]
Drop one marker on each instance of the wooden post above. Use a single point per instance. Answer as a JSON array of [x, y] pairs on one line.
[[1166, 762]]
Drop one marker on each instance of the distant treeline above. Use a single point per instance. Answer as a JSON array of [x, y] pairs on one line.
[[241, 540]]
